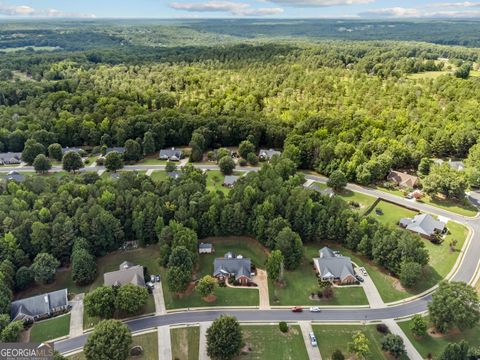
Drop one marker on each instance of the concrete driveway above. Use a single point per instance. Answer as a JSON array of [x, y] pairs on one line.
[[262, 282]]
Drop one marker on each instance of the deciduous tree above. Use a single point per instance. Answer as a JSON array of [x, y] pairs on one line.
[[110, 340], [224, 338]]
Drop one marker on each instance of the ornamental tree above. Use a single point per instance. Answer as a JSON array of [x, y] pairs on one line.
[[110, 340], [224, 338]]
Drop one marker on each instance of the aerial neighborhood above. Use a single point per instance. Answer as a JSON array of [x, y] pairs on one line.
[[232, 183]]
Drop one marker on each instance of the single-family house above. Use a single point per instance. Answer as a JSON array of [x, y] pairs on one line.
[[174, 174], [119, 149], [230, 180], [423, 224], [10, 158], [233, 266], [171, 154], [128, 273], [403, 179], [455, 165], [265, 154], [334, 268], [15, 176], [205, 248], [40, 306], [325, 191], [74, 149]]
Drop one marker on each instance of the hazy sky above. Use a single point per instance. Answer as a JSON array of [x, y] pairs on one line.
[[239, 8]]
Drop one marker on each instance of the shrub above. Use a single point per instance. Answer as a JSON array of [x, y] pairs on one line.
[[338, 355], [100, 161], [283, 326], [383, 329], [242, 162]]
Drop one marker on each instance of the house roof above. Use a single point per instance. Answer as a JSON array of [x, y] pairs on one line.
[[326, 252], [74, 149], [424, 224], [456, 165], [15, 176], [268, 154], [333, 267], [128, 274], [174, 174], [119, 149], [235, 266], [205, 246], [38, 305], [169, 153], [324, 191], [403, 179], [10, 155], [230, 180]]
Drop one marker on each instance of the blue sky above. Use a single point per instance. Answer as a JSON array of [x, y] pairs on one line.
[[240, 8]]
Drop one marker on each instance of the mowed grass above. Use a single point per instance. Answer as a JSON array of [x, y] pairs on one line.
[[50, 329], [149, 343], [365, 201], [436, 344], [185, 342], [427, 75], [333, 337], [159, 176], [300, 283], [267, 342], [464, 208], [391, 213], [225, 296]]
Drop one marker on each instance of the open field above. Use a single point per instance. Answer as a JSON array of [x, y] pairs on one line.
[[435, 344], [428, 75], [267, 342], [300, 283], [50, 329], [333, 337], [365, 201], [149, 343], [185, 342], [391, 213]]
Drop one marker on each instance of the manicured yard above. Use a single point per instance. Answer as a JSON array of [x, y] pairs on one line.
[[463, 208], [159, 175], [390, 213], [215, 180], [267, 342], [89, 322], [365, 201], [299, 284], [333, 337], [149, 343], [436, 344], [50, 329], [245, 246], [427, 75], [185, 342]]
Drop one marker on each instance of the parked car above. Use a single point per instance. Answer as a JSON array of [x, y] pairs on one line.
[[363, 271], [150, 285], [359, 278], [157, 278], [315, 309], [297, 309], [152, 278], [313, 339]]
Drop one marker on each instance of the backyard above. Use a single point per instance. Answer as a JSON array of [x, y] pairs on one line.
[[365, 201], [50, 329], [300, 283], [185, 342], [149, 343], [436, 344], [267, 342], [333, 337]]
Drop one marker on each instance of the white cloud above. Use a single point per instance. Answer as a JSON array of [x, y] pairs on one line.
[[465, 4], [28, 11], [399, 12], [234, 8], [320, 3]]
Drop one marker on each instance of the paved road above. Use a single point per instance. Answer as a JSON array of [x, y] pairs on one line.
[[465, 272]]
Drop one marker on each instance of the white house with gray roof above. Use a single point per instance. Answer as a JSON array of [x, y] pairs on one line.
[[230, 180], [15, 176], [40, 306], [10, 158], [233, 266], [265, 154], [334, 268], [171, 154], [423, 224]]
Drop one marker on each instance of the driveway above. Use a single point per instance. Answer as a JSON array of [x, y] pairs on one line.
[[373, 296], [262, 282], [157, 292], [76, 316], [313, 351]]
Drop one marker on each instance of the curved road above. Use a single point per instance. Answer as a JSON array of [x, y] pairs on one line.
[[465, 272]]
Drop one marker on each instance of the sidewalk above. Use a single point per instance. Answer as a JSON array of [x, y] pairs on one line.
[[76, 316], [164, 343], [202, 354], [149, 172], [313, 352], [412, 353]]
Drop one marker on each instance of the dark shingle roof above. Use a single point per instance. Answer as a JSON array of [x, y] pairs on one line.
[[131, 274], [230, 180], [232, 266], [39, 305], [172, 154], [334, 267], [15, 176], [119, 149]]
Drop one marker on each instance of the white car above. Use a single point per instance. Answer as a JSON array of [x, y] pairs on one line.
[[313, 339], [315, 309]]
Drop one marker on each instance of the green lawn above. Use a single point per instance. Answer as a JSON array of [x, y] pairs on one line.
[[245, 246], [299, 284], [50, 329], [149, 342], [333, 337], [185, 342], [152, 160], [365, 201], [267, 342], [427, 75], [215, 180], [435, 345], [159, 175], [463, 208], [89, 322], [391, 213]]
